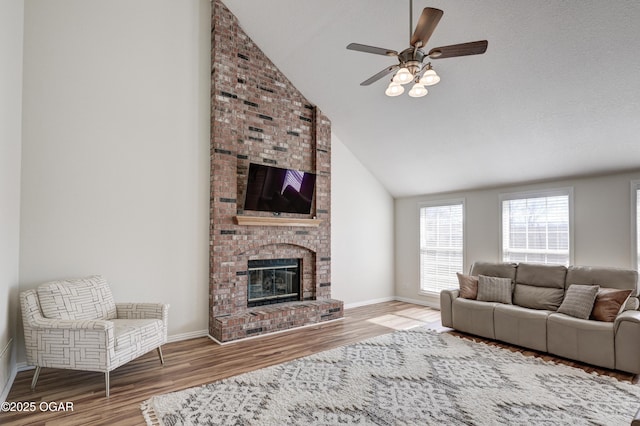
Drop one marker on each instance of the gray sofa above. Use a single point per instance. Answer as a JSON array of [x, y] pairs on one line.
[[532, 320]]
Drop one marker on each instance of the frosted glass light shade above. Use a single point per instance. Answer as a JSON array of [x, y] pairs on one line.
[[418, 91], [403, 76], [429, 78], [394, 89]]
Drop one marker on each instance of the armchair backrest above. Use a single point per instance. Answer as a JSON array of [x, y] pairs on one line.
[[30, 307], [87, 298]]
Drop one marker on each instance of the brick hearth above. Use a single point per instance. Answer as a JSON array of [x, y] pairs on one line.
[[258, 116]]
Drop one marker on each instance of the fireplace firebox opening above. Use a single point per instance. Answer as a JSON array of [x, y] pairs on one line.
[[273, 281]]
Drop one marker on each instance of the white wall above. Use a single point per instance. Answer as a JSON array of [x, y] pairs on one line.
[[361, 231], [115, 177], [11, 33], [602, 226]]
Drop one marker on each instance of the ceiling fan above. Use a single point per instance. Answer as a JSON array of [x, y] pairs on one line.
[[411, 67]]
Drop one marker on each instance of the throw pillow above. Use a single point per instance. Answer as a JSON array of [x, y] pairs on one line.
[[494, 289], [578, 300], [632, 304], [609, 302], [468, 286]]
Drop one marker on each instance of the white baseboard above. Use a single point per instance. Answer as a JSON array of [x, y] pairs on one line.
[[8, 385], [22, 366], [369, 302], [187, 336], [417, 302]]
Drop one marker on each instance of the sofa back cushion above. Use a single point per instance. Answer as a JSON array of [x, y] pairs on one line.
[[490, 269], [624, 279], [539, 286], [87, 298]]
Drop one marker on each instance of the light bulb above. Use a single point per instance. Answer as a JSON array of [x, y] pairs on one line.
[[418, 91], [394, 89], [429, 78], [403, 76]]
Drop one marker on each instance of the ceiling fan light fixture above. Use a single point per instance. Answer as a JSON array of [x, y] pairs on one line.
[[403, 76], [394, 89], [430, 77], [418, 90]]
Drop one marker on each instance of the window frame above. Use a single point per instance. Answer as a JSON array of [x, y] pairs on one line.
[[538, 193], [635, 221], [440, 203]]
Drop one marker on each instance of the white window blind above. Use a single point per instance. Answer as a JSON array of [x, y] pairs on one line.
[[441, 246], [536, 229]]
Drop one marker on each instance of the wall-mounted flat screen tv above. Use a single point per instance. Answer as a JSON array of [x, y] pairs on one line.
[[277, 190]]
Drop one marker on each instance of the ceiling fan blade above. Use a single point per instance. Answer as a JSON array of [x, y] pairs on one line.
[[372, 49], [426, 25], [379, 75], [462, 49]]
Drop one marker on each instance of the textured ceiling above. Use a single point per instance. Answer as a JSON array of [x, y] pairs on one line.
[[557, 94]]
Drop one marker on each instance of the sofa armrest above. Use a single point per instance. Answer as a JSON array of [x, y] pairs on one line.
[[632, 316], [627, 341], [446, 309]]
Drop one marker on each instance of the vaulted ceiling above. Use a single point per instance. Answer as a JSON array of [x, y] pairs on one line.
[[557, 94]]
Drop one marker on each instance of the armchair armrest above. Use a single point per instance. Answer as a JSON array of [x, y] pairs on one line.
[[58, 324], [92, 343], [143, 311]]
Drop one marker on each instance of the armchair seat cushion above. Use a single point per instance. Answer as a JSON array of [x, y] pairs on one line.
[[87, 298], [131, 332]]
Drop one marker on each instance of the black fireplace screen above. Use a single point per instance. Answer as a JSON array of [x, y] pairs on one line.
[[273, 281]]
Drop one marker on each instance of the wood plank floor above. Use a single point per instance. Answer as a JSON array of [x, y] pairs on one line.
[[199, 361]]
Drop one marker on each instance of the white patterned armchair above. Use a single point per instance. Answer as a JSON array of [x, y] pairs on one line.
[[76, 324]]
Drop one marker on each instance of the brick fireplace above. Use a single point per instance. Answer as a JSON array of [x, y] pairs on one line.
[[258, 116]]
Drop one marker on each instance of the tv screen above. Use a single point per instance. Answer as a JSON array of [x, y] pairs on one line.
[[277, 190]]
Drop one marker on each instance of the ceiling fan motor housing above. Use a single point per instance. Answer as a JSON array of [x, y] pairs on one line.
[[411, 59]]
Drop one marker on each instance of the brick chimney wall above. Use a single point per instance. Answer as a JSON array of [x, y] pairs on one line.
[[258, 116]]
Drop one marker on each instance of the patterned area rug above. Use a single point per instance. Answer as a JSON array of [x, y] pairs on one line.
[[413, 377]]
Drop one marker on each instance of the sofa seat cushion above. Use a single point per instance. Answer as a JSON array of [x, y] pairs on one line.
[[472, 316], [582, 340], [521, 326], [87, 298], [131, 332]]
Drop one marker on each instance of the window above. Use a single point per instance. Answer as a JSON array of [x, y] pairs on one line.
[[635, 206], [441, 245], [537, 227]]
